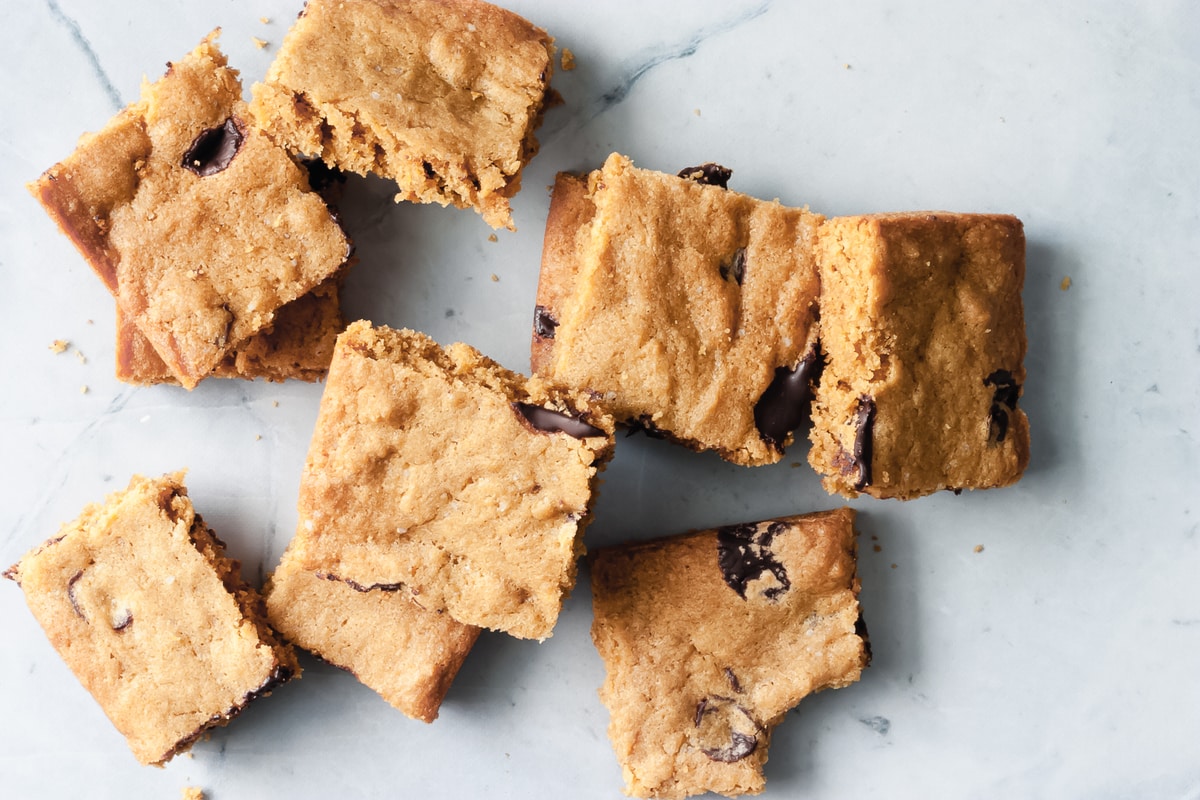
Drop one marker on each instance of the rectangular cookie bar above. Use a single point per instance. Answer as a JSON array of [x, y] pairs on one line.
[[198, 223], [924, 337], [443, 475], [406, 653], [691, 309], [139, 599], [709, 638], [441, 96]]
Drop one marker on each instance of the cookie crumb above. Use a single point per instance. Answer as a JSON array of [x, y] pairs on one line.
[[83, 389], [878, 548], [193, 793], [80, 357], [696, 111], [59, 346], [567, 59], [978, 548], [258, 437], [265, 20], [274, 404], [494, 238], [893, 566], [259, 43], [846, 66], [495, 278], [1066, 283], [90, 321]]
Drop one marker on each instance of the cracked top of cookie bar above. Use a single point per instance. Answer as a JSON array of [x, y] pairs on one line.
[[710, 637], [442, 96], [691, 309], [139, 599], [441, 474], [199, 224]]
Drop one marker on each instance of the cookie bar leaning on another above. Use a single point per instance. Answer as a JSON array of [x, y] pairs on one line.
[[407, 654], [709, 638], [441, 96], [924, 335], [441, 475], [690, 309], [199, 225], [139, 599]]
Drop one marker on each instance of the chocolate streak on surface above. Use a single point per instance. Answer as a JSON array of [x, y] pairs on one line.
[[361, 587], [785, 403], [1004, 402], [214, 149], [709, 174], [71, 594], [736, 266], [548, 421], [544, 323], [744, 555], [733, 681]]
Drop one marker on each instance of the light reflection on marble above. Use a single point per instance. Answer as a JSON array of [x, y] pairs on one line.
[[1059, 662]]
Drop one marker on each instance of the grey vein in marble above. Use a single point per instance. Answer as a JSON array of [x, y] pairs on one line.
[[85, 47]]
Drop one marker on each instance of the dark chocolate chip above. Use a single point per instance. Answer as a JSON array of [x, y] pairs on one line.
[[322, 178], [548, 421], [71, 593], [361, 587], [429, 173], [122, 621], [864, 444], [711, 174], [644, 424], [860, 630], [736, 267], [744, 555], [722, 719], [785, 403], [1004, 402], [544, 322], [740, 746], [214, 149]]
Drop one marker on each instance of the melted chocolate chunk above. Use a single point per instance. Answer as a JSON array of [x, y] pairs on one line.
[[1004, 402], [361, 587], [729, 726], [744, 555], [122, 620], [644, 424], [71, 594], [785, 403], [736, 266], [733, 681], [214, 149], [710, 174], [544, 323], [864, 441], [548, 421]]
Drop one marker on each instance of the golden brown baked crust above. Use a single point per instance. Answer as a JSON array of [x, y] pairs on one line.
[[407, 654], [689, 309], [198, 223], [139, 599], [441, 474], [442, 96], [924, 335], [710, 637]]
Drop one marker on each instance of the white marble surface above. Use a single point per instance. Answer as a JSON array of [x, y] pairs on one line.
[[1060, 662]]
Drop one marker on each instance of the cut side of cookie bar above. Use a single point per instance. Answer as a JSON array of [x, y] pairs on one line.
[[407, 654], [199, 224], [709, 638], [924, 338], [139, 599], [441, 96], [690, 309], [442, 475]]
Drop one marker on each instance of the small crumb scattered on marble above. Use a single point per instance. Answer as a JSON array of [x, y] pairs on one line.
[[90, 321], [845, 66], [59, 346], [80, 357], [258, 437], [1066, 283], [878, 549], [696, 111], [274, 404], [978, 548], [494, 238], [893, 566], [83, 389], [567, 59], [265, 20], [495, 278], [193, 793], [259, 43]]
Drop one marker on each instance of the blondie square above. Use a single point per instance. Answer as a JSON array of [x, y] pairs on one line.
[[690, 309], [441, 96], [924, 337], [709, 638], [406, 653], [198, 223], [442, 475], [139, 599]]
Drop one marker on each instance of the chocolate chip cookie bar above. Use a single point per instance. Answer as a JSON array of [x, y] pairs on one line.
[[407, 654], [200, 225], [690, 309], [139, 599], [924, 337], [439, 474], [710, 637], [441, 96]]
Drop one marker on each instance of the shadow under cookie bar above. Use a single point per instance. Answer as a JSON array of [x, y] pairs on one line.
[[409, 655], [199, 225], [923, 332], [690, 310], [139, 599], [710, 637], [442, 97], [439, 474]]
